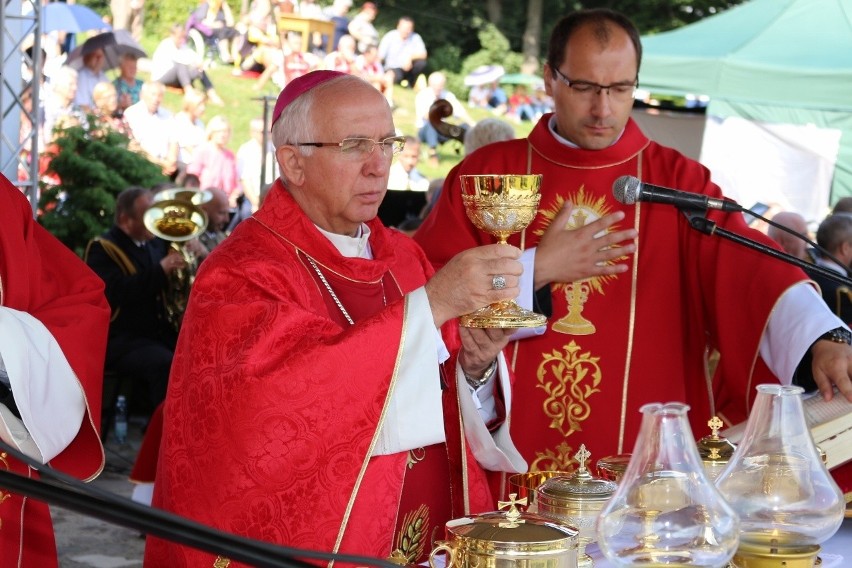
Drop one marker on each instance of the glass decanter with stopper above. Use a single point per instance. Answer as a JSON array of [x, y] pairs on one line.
[[666, 511], [787, 501]]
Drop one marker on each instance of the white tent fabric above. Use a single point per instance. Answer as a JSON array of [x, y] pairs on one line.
[[788, 167], [779, 77]]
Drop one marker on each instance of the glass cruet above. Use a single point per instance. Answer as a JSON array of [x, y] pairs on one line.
[[666, 511], [787, 501]]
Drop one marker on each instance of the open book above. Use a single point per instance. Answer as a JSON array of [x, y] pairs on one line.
[[830, 424]]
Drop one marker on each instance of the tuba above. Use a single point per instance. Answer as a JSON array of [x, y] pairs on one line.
[[176, 217]]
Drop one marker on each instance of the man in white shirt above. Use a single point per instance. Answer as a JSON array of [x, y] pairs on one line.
[[249, 163], [88, 76], [153, 128], [404, 174]]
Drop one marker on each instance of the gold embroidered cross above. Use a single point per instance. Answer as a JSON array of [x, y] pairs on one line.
[[578, 219]]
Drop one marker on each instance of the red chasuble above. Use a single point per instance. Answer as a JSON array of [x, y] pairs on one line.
[[41, 276], [275, 399], [615, 343]]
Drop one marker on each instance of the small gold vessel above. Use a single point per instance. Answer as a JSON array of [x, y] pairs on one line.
[[715, 450], [612, 468], [576, 500], [524, 484], [510, 539]]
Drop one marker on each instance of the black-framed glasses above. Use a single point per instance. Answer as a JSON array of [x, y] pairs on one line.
[[362, 146], [588, 90]]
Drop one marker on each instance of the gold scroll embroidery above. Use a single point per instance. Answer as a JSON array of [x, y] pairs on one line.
[[568, 379], [558, 459]]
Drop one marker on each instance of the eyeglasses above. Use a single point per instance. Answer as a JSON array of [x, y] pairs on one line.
[[362, 147], [617, 91]]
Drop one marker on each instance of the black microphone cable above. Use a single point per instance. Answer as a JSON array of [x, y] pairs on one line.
[[822, 252]]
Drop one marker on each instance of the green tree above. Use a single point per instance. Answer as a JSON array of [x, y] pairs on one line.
[[93, 165]]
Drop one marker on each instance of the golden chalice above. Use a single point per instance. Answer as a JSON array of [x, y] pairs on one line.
[[501, 205]]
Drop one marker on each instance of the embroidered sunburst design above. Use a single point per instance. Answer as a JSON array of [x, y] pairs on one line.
[[568, 379], [411, 540], [221, 562], [586, 210]]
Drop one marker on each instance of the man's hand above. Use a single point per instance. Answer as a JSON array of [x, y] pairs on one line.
[[832, 365], [172, 261], [196, 248], [567, 255], [480, 347], [464, 284]]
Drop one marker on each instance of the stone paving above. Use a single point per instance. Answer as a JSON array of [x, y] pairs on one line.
[[87, 542]]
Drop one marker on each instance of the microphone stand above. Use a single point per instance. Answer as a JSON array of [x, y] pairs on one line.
[[700, 223]]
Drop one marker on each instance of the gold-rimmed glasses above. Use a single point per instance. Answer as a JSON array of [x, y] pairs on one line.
[[586, 89], [356, 146]]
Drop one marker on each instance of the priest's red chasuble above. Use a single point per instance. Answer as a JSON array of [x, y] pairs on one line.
[[275, 398], [614, 343], [41, 276]]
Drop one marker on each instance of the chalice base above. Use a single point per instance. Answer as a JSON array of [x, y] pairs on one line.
[[751, 555], [506, 314]]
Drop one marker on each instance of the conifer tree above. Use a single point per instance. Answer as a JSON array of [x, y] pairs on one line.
[[93, 165]]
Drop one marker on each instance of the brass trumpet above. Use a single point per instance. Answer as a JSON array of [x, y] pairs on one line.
[[177, 221]]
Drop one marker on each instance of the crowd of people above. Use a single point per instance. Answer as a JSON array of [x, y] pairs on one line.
[[319, 391]]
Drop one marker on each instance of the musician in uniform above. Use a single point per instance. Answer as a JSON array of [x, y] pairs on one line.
[[135, 266]]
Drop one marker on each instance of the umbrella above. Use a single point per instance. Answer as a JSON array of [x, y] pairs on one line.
[[114, 44], [483, 75], [73, 18], [521, 79]]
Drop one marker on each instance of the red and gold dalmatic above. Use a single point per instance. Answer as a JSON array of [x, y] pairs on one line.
[[617, 342], [42, 277], [275, 400]]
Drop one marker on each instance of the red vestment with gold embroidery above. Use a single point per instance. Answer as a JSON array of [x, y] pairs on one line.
[[274, 398], [617, 342]]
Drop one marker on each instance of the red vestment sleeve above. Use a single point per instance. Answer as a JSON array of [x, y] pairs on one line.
[[41, 276]]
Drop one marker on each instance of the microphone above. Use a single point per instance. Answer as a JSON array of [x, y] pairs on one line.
[[628, 190]]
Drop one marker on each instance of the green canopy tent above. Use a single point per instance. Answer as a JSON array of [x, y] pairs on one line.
[[769, 62]]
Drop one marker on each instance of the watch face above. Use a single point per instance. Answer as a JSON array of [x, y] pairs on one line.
[[840, 335]]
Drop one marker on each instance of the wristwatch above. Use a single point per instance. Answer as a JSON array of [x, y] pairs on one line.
[[475, 383], [838, 335]]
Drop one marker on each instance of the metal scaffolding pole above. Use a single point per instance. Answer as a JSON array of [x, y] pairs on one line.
[[20, 76]]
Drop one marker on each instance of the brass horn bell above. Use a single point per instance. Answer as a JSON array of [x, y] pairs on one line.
[[177, 221]]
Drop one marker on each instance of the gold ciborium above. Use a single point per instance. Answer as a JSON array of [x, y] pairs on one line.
[[501, 205]]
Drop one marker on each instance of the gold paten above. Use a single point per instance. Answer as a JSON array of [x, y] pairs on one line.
[[501, 205], [576, 500], [715, 450], [511, 539]]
